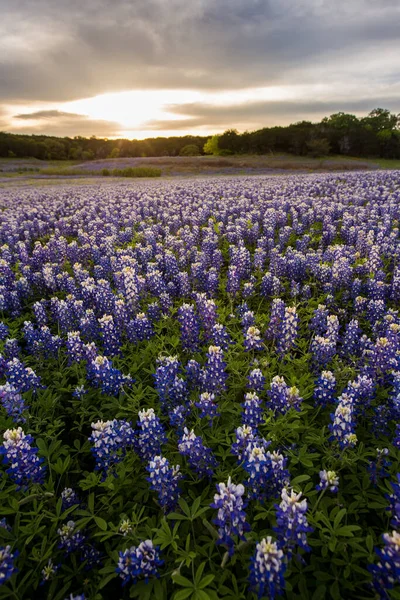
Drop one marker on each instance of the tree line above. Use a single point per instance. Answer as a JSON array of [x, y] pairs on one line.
[[377, 134]]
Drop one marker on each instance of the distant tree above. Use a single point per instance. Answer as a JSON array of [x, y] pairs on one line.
[[189, 150], [380, 119], [88, 155], [229, 141], [114, 153], [211, 145], [318, 147]]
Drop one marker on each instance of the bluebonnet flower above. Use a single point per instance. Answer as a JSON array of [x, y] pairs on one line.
[[25, 467], [7, 566], [92, 556], [190, 327], [267, 569], [11, 348], [75, 347], [110, 440], [4, 524], [282, 397], [154, 312], [257, 464], [386, 573], [248, 319], [291, 522], [394, 502], [193, 373], [70, 539], [384, 356], [323, 349], [49, 571], [267, 471], [396, 439], [125, 527], [164, 480], [105, 376], [79, 392], [4, 331], [177, 417], [166, 373], [150, 435], [13, 403], [201, 459], [233, 281], [288, 331], [256, 380], [110, 336], [244, 436], [275, 322], [318, 321], [252, 339], [141, 561], [248, 289], [328, 480], [208, 407], [214, 377], [252, 413], [78, 597], [208, 314], [343, 422], [220, 336], [231, 519], [379, 467], [69, 498], [324, 391], [140, 328], [351, 338], [20, 377]]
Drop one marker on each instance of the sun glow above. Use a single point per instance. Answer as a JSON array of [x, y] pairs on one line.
[[151, 113]]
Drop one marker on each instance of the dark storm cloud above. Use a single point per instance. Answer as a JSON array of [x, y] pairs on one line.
[[55, 122], [58, 51]]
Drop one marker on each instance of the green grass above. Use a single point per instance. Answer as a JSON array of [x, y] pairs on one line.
[[128, 172], [387, 163]]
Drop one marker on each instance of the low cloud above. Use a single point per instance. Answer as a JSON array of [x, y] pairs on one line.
[[255, 115], [64, 124]]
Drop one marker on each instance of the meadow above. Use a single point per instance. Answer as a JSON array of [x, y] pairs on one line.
[[200, 393]]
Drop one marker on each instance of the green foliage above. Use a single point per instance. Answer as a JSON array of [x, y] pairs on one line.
[[211, 146], [190, 150], [318, 147]]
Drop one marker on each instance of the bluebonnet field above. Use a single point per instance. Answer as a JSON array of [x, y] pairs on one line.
[[200, 390]]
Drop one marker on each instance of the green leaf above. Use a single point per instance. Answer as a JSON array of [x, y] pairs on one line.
[[300, 479], [206, 581], [101, 523], [339, 517], [183, 594], [199, 573], [183, 581], [319, 593]]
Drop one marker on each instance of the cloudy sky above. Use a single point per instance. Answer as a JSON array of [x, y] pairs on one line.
[[141, 68]]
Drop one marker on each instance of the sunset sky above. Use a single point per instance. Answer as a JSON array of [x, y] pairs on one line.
[[142, 68]]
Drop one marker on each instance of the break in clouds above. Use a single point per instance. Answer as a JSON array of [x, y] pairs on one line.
[[55, 52]]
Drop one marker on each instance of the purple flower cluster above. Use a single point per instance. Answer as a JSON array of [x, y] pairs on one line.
[[141, 561], [231, 519], [25, 466], [201, 459], [164, 480], [150, 435], [110, 440]]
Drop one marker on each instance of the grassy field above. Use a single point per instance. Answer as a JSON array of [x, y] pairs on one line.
[[188, 166]]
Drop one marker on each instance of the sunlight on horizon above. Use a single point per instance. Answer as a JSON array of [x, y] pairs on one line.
[[137, 112]]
